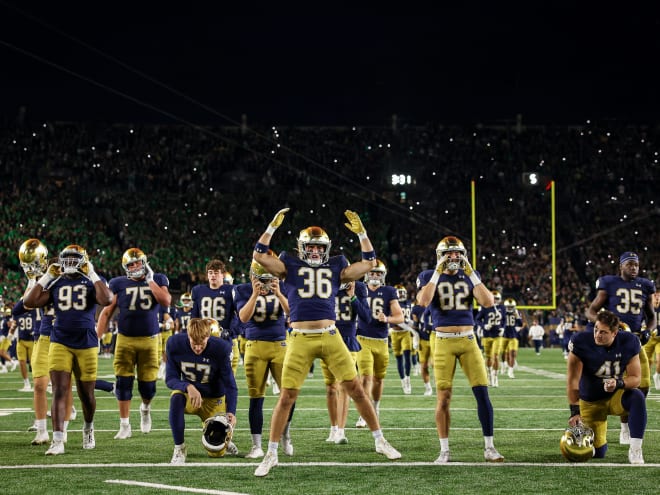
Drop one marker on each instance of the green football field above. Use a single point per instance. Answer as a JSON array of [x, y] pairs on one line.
[[530, 414]]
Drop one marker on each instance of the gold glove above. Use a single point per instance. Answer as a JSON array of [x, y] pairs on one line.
[[355, 224], [278, 218]]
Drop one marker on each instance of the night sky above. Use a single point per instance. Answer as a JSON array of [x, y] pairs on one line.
[[112, 62]]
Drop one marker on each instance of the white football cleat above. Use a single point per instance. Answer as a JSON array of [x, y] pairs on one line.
[[340, 439], [361, 423], [3, 369], [231, 448], [33, 427], [179, 456], [443, 458], [656, 380], [510, 372], [41, 438], [145, 419], [492, 455], [287, 446], [269, 462], [635, 456], [332, 436], [384, 447], [56, 448], [26, 388], [88, 439], [256, 452], [74, 414], [124, 432], [624, 435], [428, 391], [276, 389]]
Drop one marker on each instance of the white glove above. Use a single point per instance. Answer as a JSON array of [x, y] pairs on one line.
[[149, 276], [415, 342]]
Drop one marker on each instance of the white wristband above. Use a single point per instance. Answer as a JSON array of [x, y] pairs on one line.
[[94, 277], [270, 229], [45, 280], [362, 235], [474, 278], [434, 278]]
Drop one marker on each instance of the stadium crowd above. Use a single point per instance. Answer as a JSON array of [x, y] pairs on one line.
[[186, 195]]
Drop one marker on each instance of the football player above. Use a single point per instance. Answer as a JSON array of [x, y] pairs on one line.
[[74, 289], [138, 295], [602, 378], [652, 347], [372, 334], [629, 297], [421, 318], [401, 336], [492, 323], [448, 290], [33, 257], [262, 307], [183, 312], [215, 300], [312, 279], [166, 326], [6, 339], [351, 301], [199, 373], [512, 326]]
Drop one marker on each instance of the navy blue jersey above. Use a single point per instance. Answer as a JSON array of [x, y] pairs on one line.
[[452, 302], [268, 321], [27, 321], [47, 320], [512, 321], [311, 290], [627, 299], [210, 372], [600, 363], [421, 321], [138, 308], [214, 303], [74, 302], [491, 320], [379, 302], [347, 311], [184, 317]]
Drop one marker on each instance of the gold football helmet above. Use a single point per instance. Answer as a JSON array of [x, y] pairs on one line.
[[401, 291], [186, 300], [509, 304], [133, 255], [449, 244], [258, 271], [497, 296], [313, 236], [577, 443], [228, 278], [73, 259], [33, 255], [376, 276], [216, 435]]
